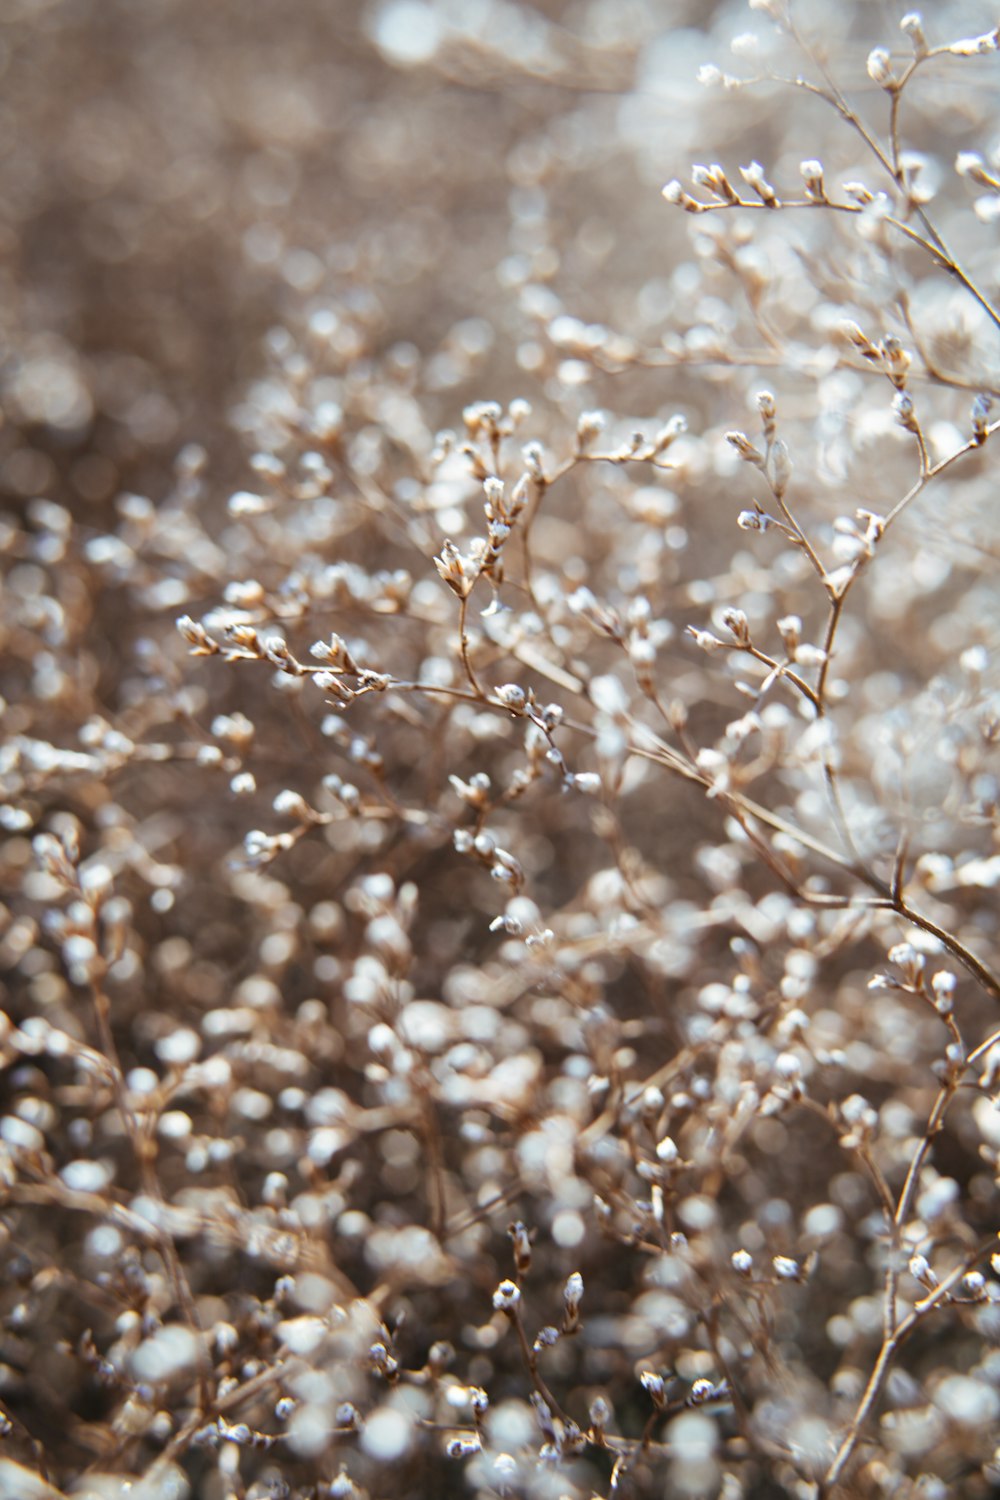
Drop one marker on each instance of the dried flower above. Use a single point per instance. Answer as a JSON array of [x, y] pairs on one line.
[[507, 1296], [880, 68], [545, 907]]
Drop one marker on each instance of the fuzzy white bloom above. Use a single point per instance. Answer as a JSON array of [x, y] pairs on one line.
[[587, 782], [573, 1290], [920, 1270], [289, 804], [589, 424], [463, 1446], [246, 503], [511, 696], [880, 67], [745, 44], [507, 1296], [666, 1150], [912, 25]]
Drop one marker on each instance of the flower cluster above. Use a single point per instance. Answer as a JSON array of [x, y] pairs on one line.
[[499, 830]]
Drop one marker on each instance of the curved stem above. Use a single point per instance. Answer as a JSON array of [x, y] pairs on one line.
[[464, 648]]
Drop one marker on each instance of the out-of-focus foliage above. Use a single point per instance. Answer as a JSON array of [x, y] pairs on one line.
[[499, 750]]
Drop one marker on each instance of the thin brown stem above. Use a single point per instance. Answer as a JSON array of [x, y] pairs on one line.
[[143, 1149], [464, 648], [883, 1363]]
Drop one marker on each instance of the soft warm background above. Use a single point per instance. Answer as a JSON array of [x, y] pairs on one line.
[[237, 232]]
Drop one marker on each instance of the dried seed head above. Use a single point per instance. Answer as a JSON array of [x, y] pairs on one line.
[[752, 520], [347, 1416], [534, 460], [912, 25], [439, 1356], [812, 178], [981, 408], [521, 1240], [589, 425], [736, 623], [753, 176], [342, 1487], [767, 407], [880, 68], [943, 986], [334, 654], [642, 655], [507, 1296], [790, 630], [289, 804], [675, 194], [493, 489], [705, 639], [781, 467], [745, 448], [904, 410], [454, 570], [601, 1413], [512, 697], [976, 46], [482, 419], [463, 1446], [246, 503], [920, 1270], [573, 1290], [587, 782], [714, 179], [197, 637]]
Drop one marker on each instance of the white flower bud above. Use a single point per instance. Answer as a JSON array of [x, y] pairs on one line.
[[666, 1150], [920, 1270], [912, 25], [880, 68], [511, 696], [463, 1446], [507, 1296], [573, 1290], [589, 425]]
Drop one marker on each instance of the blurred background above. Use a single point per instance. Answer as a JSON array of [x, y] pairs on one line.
[[177, 176], [475, 186]]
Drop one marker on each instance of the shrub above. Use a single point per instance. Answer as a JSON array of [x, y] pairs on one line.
[[501, 1000]]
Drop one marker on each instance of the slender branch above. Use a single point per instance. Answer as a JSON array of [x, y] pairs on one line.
[[883, 1363]]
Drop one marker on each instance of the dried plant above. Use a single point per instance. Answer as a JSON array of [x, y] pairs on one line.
[[500, 842]]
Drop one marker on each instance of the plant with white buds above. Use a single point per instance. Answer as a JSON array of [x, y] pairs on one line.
[[880, 68], [507, 1296]]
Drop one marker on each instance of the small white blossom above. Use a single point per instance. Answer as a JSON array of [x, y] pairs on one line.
[[507, 1296]]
